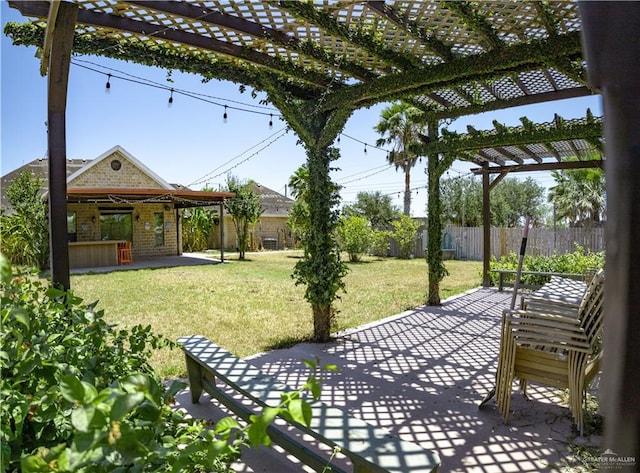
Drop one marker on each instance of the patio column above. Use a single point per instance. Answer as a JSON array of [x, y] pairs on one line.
[[60, 38], [611, 34], [486, 225]]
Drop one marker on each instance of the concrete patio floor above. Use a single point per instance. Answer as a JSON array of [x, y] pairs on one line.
[[421, 374], [185, 259]]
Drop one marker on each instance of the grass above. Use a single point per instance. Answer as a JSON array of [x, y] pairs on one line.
[[252, 306]]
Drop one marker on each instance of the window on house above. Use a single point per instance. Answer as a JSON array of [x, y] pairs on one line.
[[72, 233], [116, 226], [158, 225]]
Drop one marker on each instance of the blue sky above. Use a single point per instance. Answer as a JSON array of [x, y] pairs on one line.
[[188, 143]]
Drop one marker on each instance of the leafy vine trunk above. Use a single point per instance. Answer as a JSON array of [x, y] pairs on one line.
[[321, 269], [434, 233], [322, 265], [435, 168]]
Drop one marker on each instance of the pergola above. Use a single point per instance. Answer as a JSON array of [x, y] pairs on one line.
[[318, 61]]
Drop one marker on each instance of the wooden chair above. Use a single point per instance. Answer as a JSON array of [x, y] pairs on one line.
[[124, 253], [552, 346]]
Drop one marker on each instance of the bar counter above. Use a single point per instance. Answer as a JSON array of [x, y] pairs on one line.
[[93, 254]]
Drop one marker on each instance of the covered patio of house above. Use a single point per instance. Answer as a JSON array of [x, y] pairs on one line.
[[421, 374]]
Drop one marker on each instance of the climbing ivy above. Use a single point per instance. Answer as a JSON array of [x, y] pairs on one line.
[[170, 58], [588, 128], [321, 270]]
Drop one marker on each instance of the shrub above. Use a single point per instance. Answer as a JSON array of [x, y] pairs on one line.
[[406, 234], [79, 395], [380, 242], [578, 262], [355, 236], [24, 235]]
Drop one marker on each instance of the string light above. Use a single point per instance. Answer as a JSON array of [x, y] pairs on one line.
[[365, 148], [107, 86], [270, 121], [224, 117], [170, 99], [338, 138]]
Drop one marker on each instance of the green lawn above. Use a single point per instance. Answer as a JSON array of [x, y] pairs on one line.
[[252, 306]]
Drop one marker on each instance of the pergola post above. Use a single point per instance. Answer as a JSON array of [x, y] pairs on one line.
[[486, 225], [612, 48], [60, 37], [221, 213]]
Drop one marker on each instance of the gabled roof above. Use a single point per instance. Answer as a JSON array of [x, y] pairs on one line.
[[180, 196], [40, 168], [120, 150], [273, 203]]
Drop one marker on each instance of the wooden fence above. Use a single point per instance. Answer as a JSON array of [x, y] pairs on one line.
[[466, 242]]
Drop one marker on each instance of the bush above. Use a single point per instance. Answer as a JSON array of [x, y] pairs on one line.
[[355, 236], [406, 234], [79, 395], [380, 242], [578, 262]]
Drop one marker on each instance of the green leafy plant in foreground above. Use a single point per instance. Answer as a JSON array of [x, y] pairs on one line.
[[78, 394]]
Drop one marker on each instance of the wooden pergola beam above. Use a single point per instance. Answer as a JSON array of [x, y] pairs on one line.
[[120, 23], [214, 17], [57, 81], [566, 165], [500, 104], [480, 67], [430, 40]]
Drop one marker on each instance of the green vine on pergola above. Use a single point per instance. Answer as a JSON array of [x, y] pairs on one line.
[[451, 143]]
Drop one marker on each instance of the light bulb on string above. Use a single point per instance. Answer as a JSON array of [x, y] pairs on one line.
[[365, 148], [338, 138], [224, 117], [170, 99], [270, 121], [107, 86]]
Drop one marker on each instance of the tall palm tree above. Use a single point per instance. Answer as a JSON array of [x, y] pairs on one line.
[[579, 198], [298, 182], [400, 126]]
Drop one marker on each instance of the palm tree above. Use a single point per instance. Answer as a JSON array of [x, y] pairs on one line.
[[298, 182], [579, 198], [400, 126]]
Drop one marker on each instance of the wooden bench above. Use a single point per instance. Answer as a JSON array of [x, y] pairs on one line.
[[370, 449], [505, 274]]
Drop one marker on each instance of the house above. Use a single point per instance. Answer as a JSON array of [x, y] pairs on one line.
[[116, 198], [271, 232]]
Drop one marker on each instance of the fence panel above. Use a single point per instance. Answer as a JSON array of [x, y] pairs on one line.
[[468, 241]]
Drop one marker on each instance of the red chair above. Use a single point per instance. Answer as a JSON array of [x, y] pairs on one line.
[[124, 253]]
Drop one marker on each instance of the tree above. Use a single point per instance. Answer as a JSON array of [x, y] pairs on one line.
[[406, 234], [375, 207], [299, 218], [462, 201], [244, 208], [514, 199], [400, 126], [25, 233], [511, 200], [355, 236], [579, 199], [579, 196]]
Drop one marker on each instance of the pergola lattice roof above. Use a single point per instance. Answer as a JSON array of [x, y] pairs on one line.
[[449, 58]]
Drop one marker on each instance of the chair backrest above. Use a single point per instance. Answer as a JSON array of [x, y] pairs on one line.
[[591, 308]]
